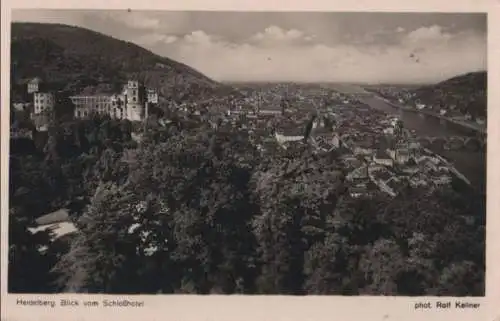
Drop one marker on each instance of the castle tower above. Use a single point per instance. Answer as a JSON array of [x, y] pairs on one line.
[[135, 101]]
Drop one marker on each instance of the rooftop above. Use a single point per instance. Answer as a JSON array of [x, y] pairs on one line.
[[58, 216], [59, 229], [291, 130], [384, 175], [35, 80], [381, 154]]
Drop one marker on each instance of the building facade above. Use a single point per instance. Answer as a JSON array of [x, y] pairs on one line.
[[34, 85], [88, 105], [132, 103], [43, 102], [152, 96], [135, 101]]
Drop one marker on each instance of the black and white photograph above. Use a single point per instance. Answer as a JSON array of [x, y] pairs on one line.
[[247, 153]]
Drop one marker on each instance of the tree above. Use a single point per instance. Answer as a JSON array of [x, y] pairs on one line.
[[381, 264], [461, 279], [294, 196], [104, 252], [203, 179], [27, 250]]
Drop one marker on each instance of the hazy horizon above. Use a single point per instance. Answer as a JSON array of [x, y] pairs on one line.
[[363, 48], [236, 82]]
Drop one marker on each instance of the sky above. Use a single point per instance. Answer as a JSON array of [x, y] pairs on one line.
[[368, 47]]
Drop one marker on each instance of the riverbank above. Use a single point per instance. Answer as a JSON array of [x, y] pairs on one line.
[[469, 125], [471, 164], [452, 168]]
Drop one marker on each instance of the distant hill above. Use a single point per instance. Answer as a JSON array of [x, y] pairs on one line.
[[467, 92], [78, 59]]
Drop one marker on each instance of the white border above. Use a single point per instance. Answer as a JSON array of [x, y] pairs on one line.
[[272, 307]]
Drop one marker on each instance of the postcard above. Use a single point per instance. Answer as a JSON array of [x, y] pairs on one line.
[[250, 161]]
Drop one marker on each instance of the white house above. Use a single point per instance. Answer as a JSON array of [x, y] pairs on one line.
[[336, 141], [58, 223], [59, 229], [360, 150], [43, 102], [389, 131], [283, 139], [33, 85]]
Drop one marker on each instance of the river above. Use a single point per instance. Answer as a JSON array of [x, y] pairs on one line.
[[471, 164]]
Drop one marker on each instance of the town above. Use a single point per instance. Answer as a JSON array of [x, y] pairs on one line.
[[377, 151]]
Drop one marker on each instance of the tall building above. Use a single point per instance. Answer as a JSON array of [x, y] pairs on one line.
[[259, 103], [43, 102], [34, 85], [118, 106], [135, 100], [283, 106], [401, 153], [152, 96]]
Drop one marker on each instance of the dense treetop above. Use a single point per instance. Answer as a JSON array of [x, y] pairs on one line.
[[196, 210], [467, 92]]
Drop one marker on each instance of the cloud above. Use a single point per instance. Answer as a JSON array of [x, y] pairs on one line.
[[426, 54], [274, 35], [434, 33], [199, 38], [156, 39], [440, 56], [170, 39]]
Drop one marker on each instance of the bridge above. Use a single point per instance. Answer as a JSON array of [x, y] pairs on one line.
[[453, 142]]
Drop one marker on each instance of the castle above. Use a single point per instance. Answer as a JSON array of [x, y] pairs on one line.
[[132, 103]]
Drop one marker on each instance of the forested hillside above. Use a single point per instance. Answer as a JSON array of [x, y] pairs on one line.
[[466, 92], [76, 59]]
